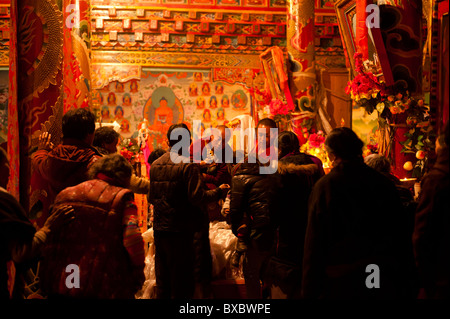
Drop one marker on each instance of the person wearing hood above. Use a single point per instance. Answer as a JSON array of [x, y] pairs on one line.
[[67, 164], [298, 173]]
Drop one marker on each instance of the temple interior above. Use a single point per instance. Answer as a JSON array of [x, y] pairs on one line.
[[377, 67]]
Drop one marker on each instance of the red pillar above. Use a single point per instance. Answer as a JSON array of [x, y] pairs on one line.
[[301, 51], [35, 91]]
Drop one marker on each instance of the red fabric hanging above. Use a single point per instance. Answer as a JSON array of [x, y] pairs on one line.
[[361, 36]]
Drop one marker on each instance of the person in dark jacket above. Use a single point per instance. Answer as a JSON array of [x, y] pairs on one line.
[[253, 203], [19, 240], [103, 244], [298, 173], [382, 165], [177, 194], [431, 238], [67, 164], [355, 243]]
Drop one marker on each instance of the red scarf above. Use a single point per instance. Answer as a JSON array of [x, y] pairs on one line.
[[105, 178]]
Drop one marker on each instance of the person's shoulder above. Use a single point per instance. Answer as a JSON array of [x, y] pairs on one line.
[[7, 196], [297, 159], [246, 168], [163, 159]]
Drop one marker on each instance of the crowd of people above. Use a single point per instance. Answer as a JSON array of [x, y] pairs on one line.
[[354, 233]]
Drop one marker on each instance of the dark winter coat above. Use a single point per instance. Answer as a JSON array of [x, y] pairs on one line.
[[254, 195], [355, 219], [177, 194], [298, 173], [431, 236], [94, 242], [14, 228]]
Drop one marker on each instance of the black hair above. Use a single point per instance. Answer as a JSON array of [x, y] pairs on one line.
[[78, 123], [173, 127], [157, 153], [267, 122], [114, 166], [344, 143], [288, 143], [105, 135]]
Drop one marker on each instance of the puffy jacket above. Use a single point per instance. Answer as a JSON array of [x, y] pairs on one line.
[[94, 242], [177, 194], [298, 173], [254, 195]]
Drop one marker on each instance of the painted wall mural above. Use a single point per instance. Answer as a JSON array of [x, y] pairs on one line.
[[164, 97]]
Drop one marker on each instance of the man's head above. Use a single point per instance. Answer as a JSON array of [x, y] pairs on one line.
[[115, 167], [342, 143], [264, 126], [107, 138], [79, 124], [287, 143], [179, 131], [4, 168]]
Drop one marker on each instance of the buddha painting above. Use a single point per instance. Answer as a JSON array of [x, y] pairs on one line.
[[193, 90], [200, 102], [206, 90], [125, 126], [111, 99], [213, 102], [118, 112], [198, 76], [134, 86], [162, 110], [119, 87], [218, 88], [225, 101], [126, 99], [207, 116], [220, 114], [163, 116], [105, 115]]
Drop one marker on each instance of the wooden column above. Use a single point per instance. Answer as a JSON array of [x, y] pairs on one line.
[[35, 89], [301, 51]]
